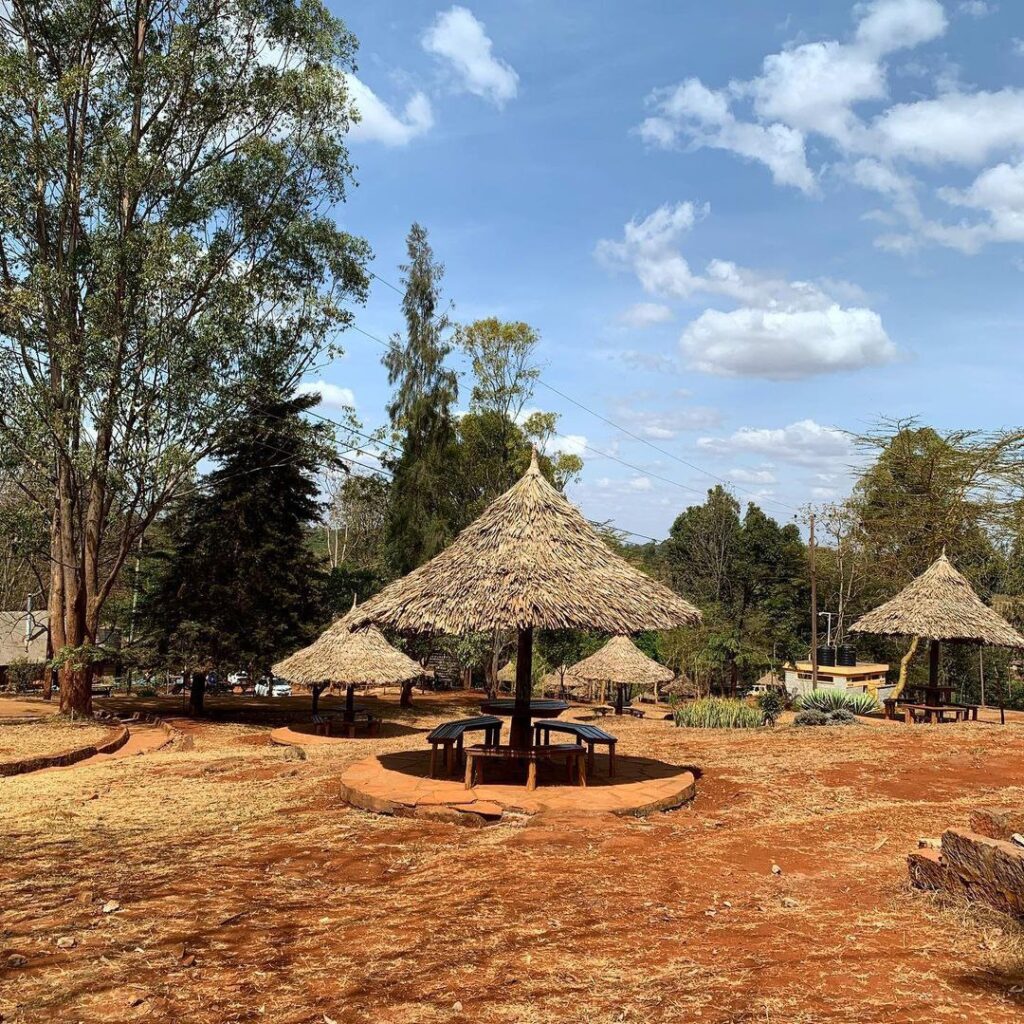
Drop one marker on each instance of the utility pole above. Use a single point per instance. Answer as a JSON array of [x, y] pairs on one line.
[[814, 607]]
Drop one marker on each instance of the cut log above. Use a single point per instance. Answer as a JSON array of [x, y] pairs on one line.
[[996, 824], [992, 869], [927, 870]]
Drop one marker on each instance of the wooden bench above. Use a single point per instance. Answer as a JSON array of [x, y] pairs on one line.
[[933, 712], [450, 737], [102, 691], [361, 719], [590, 735], [603, 709], [572, 754]]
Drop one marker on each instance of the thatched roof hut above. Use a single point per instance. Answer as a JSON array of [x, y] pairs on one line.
[[621, 661], [681, 688], [940, 605], [347, 658], [530, 560], [507, 672]]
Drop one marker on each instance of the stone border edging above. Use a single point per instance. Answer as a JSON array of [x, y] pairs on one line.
[[66, 757], [173, 734]]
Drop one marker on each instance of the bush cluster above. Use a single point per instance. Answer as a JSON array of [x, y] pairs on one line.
[[839, 716], [717, 713], [838, 700]]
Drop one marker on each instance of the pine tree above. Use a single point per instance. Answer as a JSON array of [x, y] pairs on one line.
[[422, 511], [240, 586]]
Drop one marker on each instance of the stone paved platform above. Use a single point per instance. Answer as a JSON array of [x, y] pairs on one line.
[[399, 784]]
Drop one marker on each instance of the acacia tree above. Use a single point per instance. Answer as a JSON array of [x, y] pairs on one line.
[[166, 171]]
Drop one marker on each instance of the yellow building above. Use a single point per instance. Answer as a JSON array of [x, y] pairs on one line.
[[837, 677]]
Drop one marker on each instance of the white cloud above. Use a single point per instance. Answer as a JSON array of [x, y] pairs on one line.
[[702, 117], [331, 395], [782, 330], [379, 123], [650, 248], [956, 128], [667, 425], [786, 345], [977, 8], [999, 193], [566, 444], [459, 38], [817, 89], [804, 442], [640, 483], [752, 476], [645, 314]]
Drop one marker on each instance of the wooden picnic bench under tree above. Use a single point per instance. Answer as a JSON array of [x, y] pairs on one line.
[[587, 734], [450, 736]]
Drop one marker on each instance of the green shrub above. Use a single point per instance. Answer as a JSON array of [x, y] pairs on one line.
[[839, 716], [772, 704], [717, 713], [22, 673], [838, 700]]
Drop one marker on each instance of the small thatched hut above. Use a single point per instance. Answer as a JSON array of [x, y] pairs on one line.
[[507, 672], [621, 662], [531, 560], [939, 606], [348, 659]]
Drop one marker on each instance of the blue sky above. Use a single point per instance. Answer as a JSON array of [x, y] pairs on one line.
[[739, 227]]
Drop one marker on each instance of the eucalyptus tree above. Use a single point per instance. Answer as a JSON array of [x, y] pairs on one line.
[[167, 172]]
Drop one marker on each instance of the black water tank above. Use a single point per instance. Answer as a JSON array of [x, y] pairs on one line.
[[826, 655], [846, 655]]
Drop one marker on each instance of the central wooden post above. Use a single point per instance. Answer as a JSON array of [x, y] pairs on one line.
[[519, 732], [933, 672]]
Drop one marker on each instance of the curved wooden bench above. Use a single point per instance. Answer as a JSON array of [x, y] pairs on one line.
[[572, 753], [450, 735], [585, 733]]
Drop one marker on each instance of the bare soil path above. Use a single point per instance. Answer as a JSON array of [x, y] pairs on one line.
[[239, 889]]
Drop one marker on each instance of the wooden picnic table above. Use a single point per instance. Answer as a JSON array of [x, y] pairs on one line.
[[573, 754], [506, 706]]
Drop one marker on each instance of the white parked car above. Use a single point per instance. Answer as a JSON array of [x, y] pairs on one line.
[[273, 687], [238, 678]]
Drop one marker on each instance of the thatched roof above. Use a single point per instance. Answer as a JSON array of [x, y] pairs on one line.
[[530, 559], [507, 672], [940, 605], [681, 688], [341, 657], [621, 661]]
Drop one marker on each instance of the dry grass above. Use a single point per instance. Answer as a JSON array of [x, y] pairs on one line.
[[33, 739], [296, 909]]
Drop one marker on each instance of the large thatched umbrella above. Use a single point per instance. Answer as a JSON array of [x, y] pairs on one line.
[[939, 605], [621, 662], [347, 658], [530, 561]]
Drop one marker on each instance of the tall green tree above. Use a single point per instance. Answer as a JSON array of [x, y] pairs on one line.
[[168, 172], [422, 511], [241, 586]]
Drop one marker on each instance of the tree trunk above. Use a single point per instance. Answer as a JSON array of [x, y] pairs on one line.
[[901, 682], [405, 701], [196, 693]]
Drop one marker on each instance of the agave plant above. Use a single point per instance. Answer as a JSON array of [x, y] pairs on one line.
[[717, 713], [838, 700]]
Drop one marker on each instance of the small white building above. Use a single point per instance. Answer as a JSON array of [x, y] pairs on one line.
[[838, 677]]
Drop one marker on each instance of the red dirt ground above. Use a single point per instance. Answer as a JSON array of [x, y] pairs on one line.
[[246, 893]]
